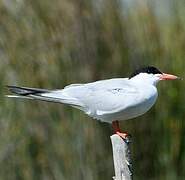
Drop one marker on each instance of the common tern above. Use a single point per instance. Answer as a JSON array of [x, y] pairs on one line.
[[108, 100]]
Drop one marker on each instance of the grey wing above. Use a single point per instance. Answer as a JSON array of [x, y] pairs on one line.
[[104, 98], [101, 97], [107, 101]]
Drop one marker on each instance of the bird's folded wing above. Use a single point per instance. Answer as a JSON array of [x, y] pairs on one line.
[[104, 97], [113, 100]]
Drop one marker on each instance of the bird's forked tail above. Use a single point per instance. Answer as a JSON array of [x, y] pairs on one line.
[[56, 96], [29, 93]]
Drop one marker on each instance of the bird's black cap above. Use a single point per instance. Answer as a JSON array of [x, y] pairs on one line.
[[148, 69]]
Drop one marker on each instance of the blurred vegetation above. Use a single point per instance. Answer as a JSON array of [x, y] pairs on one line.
[[50, 44]]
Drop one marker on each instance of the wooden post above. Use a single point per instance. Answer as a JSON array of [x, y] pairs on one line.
[[122, 159]]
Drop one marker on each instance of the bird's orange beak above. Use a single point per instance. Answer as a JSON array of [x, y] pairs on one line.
[[165, 76]]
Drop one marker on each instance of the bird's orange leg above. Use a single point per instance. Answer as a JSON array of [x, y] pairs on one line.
[[116, 128]]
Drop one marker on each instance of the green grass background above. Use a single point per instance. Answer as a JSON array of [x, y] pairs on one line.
[[50, 44]]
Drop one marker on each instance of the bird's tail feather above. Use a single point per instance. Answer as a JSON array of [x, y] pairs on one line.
[[43, 95], [16, 96], [30, 93], [24, 91]]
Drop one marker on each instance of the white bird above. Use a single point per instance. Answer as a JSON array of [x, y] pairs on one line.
[[109, 100]]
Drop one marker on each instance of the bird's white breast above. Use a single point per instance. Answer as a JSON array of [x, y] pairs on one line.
[[146, 99]]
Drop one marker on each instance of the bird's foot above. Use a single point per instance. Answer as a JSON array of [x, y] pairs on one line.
[[125, 136]]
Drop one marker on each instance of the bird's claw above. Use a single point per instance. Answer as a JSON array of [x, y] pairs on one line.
[[125, 136]]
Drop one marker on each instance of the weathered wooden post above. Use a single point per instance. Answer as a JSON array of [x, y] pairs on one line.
[[122, 158]]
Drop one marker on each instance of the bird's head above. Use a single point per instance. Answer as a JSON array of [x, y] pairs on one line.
[[151, 75]]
